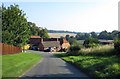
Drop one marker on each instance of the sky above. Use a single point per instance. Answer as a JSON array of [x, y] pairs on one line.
[[71, 15]]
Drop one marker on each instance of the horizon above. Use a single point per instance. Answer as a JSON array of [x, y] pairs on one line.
[[81, 16]]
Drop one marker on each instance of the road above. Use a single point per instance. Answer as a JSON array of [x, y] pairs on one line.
[[54, 67]]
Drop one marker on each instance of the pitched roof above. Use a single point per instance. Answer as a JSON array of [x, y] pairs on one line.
[[106, 40], [51, 44], [65, 45], [35, 37]]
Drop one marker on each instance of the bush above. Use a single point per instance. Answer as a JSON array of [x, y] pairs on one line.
[[117, 45], [74, 50], [91, 42], [103, 50]]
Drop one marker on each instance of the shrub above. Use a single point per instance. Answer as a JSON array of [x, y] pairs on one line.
[[99, 50], [91, 42], [74, 50], [117, 45]]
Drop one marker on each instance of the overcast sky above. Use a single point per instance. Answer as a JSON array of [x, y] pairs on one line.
[[80, 15]]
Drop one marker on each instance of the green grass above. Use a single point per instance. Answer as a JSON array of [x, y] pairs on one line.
[[15, 65], [97, 62], [96, 66]]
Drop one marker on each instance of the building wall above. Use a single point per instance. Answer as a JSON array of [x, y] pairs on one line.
[[50, 39], [35, 40], [41, 47]]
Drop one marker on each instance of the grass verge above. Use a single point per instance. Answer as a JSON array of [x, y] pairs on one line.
[[96, 66], [16, 64]]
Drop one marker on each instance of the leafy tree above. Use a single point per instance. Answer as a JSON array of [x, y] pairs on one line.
[[74, 50], [80, 36], [34, 30], [15, 29], [67, 37], [38, 31], [91, 42], [114, 34], [117, 44], [93, 35], [87, 35], [44, 33], [103, 35]]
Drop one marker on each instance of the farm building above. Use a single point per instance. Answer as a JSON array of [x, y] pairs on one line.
[[106, 41], [48, 44]]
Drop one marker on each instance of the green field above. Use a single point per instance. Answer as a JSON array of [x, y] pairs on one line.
[[15, 65]]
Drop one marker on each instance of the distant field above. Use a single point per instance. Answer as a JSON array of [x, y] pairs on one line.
[[58, 35]]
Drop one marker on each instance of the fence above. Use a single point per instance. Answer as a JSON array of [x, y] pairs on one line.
[[9, 49]]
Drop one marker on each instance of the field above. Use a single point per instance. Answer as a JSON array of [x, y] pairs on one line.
[[96, 62], [58, 35], [15, 65]]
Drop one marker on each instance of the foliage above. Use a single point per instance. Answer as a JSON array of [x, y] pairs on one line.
[[102, 35], [15, 29], [82, 36], [44, 33], [93, 35], [15, 65], [117, 45], [91, 42], [97, 66], [38, 31], [34, 30], [72, 41], [101, 50], [74, 50], [98, 62]]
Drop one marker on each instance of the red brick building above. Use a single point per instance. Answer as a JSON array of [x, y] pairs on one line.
[[54, 44]]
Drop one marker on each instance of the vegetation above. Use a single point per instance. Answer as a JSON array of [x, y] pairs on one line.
[[117, 45], [103, 50], [16, 64], [15, 29], [74, 50], [102, 35], [38, 31], [91, 42], [97, 66], [97, 62]]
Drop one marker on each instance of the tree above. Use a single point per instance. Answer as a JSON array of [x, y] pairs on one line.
[[34, 30], [44, 33], [93, 35], [103, 35], [67, 37], [87, 35], [15, 29], [114, 34], [117, 44], [91, 42]]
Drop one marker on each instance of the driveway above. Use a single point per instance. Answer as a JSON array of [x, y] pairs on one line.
[[54, 67]]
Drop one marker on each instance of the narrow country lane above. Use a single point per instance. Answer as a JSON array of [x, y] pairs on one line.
[[51, 66]]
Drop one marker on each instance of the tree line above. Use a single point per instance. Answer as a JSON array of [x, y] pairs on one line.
[[102, 35], [16, 30]]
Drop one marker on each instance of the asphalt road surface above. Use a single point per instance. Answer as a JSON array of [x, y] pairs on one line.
[[53, 68]]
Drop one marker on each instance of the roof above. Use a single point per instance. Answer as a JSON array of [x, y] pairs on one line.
[[51, 44], [65, 45], [106, 40], [35, 37]]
